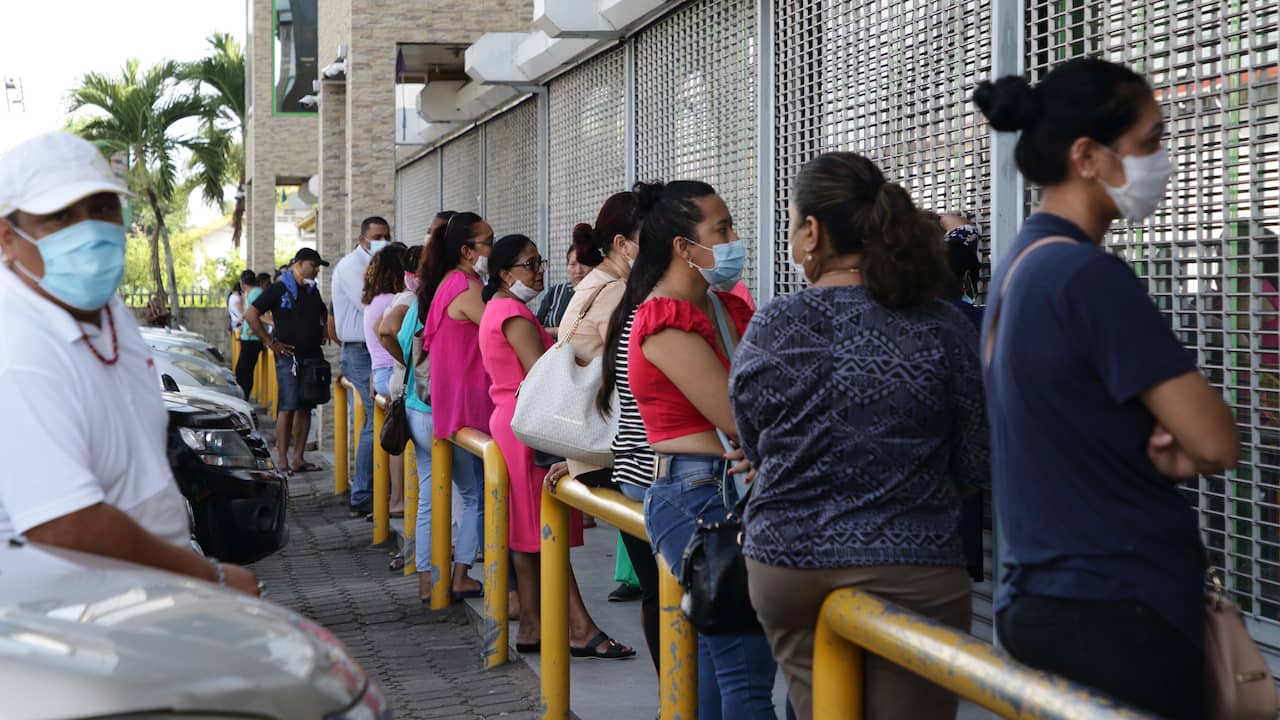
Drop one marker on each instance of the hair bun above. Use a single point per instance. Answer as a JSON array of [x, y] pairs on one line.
[[1010, 103], [648, 195]]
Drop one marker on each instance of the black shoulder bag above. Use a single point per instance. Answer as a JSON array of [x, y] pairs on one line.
[[714, 573]]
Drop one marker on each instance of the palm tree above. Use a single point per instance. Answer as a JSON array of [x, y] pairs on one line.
[[138, 110], [218, 153]]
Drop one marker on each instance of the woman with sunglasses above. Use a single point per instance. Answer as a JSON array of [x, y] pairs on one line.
[[456, 255], [511, 341]]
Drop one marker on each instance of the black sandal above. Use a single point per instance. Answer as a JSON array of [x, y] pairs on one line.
[[397, 563], [615, 651]]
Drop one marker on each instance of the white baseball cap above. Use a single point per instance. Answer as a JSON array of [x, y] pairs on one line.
[[52, 171]]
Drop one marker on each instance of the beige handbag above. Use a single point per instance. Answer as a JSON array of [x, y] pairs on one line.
[[1238, 684]]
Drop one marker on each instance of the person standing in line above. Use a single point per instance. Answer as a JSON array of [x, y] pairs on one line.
[[250, 344], [556, 299], [614, 241], [859, 403], [87, 468], [1098, 411], [511, 341], [382, 280], [301, 316], [357, 366], [451, 307], [679, 373]]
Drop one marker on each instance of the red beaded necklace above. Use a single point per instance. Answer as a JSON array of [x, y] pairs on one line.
[[115, 343]]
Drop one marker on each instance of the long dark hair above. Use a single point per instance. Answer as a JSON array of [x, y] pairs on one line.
[[385, 273], [503, 256], [902, 261], [442, 253], [664, 211], [618, 216], [1085, 97]]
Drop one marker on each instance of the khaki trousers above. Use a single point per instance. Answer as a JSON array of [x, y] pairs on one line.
[[787, 602]]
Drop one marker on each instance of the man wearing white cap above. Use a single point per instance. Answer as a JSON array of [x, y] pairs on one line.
[[84, 429]]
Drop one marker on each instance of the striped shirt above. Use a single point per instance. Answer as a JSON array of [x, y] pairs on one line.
[[632, 456], [554, 302]]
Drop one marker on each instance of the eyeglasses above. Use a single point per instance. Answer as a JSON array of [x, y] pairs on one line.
[[534, 264]]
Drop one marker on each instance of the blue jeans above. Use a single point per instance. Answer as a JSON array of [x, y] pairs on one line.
[[357, 367], [468, 482], [382, 380], [735, 672]]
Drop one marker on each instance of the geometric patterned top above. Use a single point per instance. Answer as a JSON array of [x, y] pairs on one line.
[[865, 425]]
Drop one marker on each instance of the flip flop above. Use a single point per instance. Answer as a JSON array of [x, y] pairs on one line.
[[615, 651], [532, 648], [397, 563], [306, 467], [467, 594]]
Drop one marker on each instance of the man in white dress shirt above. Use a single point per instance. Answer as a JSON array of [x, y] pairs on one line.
[[84, 428]]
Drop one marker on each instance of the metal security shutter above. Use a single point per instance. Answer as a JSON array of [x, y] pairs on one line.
[[696, 110], [511, 171], [462, 173], [587, 149], [891, 81], [1209, 254], [417, 198]]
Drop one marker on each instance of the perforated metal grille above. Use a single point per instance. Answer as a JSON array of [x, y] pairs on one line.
[[417, 198], [890, 80], [588, 149], [696, 107], [462, 173], [511, 171], [1210, 254]]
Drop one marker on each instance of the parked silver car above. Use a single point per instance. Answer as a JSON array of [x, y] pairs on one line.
[[82, 636]]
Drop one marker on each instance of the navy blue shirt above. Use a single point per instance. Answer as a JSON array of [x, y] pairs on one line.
[[1083, 512]]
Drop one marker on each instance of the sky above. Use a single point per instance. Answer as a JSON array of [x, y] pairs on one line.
[[50, 44]]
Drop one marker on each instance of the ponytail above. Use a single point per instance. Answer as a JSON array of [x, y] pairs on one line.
[[442, 253], [585, 245]]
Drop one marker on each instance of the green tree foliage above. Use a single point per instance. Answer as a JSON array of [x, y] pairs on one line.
[[218, 151]]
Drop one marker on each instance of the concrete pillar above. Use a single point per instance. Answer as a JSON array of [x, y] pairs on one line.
[[371, 149], [262, 219], [331, 234]]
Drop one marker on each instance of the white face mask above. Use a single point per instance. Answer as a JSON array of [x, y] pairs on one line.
[[1146, 179], [481, 265], [522, 291]]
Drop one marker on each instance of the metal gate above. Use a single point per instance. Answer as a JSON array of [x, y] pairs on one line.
[[417, 198], [587, 150], [1210, 254], [696, 106], [889, 80], [462, 172], [511, 171]]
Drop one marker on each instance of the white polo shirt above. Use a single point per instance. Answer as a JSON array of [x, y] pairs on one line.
[[73, 431], [348, 287]]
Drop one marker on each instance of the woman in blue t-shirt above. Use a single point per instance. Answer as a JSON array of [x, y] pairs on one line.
[[1097, 410]]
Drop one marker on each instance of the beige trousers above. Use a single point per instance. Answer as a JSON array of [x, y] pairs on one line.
[[787, 602]]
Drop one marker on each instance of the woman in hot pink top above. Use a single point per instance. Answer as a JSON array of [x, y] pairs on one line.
[[511, 341], [456, 254]]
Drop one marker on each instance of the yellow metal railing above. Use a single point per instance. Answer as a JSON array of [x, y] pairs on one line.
[[381, 475], [409, 551], [346, 438], [497, 570], [852, 621], [678, 681]]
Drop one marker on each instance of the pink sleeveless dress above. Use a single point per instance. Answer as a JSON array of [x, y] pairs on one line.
[[503, 366], [459, 383]]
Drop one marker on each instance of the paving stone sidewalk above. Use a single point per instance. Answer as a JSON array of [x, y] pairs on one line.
[[428, 662]]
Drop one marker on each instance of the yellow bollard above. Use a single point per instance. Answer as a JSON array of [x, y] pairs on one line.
[[555, 607], [381, 476], [410, 509], [235, 349], [441, 523], [341, 473], [837, 687], [357, 422], [678, 684], [273, 384], [497, 570]]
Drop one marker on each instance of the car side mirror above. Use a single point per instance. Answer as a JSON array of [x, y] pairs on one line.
[[170, 385]]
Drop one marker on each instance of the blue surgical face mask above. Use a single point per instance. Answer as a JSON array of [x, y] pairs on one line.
[[730, 258], [83, 264], [376, 245]]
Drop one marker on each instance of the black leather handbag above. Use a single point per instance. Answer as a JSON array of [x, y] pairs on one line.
[[714, 572], [315, 379], [395, 426]]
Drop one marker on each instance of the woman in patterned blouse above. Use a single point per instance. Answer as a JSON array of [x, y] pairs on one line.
[[859, 403]]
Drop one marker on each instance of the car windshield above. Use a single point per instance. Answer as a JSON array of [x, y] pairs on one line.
[[198, 371]]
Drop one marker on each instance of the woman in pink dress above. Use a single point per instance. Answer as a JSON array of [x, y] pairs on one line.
[[511, 341], [449, 303]]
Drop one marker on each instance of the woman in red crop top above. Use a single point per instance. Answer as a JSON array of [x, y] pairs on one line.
[[679, 375]]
